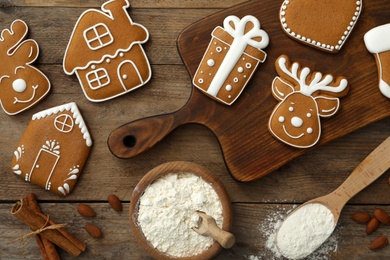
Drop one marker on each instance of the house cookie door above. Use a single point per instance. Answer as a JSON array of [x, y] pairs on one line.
[[43, 168]]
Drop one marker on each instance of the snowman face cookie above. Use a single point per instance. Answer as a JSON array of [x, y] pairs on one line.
[[21, 85]]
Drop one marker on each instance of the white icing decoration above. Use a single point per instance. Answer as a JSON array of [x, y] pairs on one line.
[[240, 69], [76, 115], [292, 136], [99, 31], [248, 65], [291, 109], [121, 54], [124, 76], [93, 67], [27, 100], [218, 49], [235, 80], [309, 130], [281, 119], [64, 123], [325, 46], [308, 115], [16, 169], [99, 76], [108, 60], [296, 121], [211, 62], [229, 87], [200, 81]]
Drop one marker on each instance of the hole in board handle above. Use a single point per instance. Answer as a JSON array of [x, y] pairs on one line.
[[129, 141]]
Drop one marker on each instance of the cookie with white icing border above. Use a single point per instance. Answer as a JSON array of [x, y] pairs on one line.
[[53, 149], [105, 52], [304, 97], [21, 84], [324, 25], [231, 58], [377, 41]]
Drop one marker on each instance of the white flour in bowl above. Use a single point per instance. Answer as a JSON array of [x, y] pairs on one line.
[[305, 230], [167, 213]]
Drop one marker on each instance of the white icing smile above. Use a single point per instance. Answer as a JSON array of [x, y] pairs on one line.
[[28, 100], [292, 136]]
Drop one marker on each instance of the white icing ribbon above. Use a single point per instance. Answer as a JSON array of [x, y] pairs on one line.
[[237, 48]]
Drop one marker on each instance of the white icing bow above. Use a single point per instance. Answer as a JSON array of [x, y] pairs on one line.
[[238, 31]]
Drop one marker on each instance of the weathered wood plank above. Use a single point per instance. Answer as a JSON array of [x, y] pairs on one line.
[[252, 226], [135, 4]]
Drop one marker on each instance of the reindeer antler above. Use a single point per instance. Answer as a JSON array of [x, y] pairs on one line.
[[9, 39], [317, 83]]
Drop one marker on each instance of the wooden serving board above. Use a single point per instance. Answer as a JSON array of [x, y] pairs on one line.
[[249, 150]]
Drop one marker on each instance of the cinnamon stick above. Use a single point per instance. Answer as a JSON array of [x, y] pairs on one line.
[[47, 248], [38, 221]]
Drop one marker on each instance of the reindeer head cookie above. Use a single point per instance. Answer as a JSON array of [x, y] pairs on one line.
[[21, 85], [303, 97]]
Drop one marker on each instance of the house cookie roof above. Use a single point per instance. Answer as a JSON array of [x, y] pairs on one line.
[[76, 115], [124, 34]]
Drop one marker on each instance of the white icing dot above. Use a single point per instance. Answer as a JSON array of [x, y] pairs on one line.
[[244, 76], [283, 20], [240, 69], [356, 13], [318, 44], [349, 28], [323, 45], [343, 38], [284, 7], [248, 65], [332, 47], [211, 62], [288, 30], [287, 2], [310, 130], [337, 47], [313, 42], [281, 119], [218, 49], [354, 18], [351, 23], [283, 13], [304, 38], [121, 54], [228, 87], [19, 85], [340, 42], [291, 109], [124, 76], [243, 58], [308, 115], [108, 60], [293, 33], [299, 36], [235, 80], [93, 67], [328, 46], [296, 121], [346, 33], [200, 80], [229, 96], [308, 40], [215, 42], [284, 25], [357, 8], [358, 2]]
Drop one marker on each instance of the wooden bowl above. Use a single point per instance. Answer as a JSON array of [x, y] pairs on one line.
[[178, 167]]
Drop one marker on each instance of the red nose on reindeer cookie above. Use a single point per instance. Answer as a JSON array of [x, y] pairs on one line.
[[21, 84], [106, 54], [231, 58], [304, 97], [324, 25]]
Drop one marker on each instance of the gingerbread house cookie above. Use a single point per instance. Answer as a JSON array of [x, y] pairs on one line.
[[304, 97], [106, 54], [231, 58], [324, 25], [21, 84], [53, 149]]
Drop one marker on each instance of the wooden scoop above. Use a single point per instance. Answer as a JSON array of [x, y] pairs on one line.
[[372, 167], [208, 227]]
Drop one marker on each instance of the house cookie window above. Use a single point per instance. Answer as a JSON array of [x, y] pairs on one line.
[[98, 36], [64, 123], [98, 78]]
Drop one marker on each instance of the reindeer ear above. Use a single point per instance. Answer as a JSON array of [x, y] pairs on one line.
[[327, 106], [9, 39], [27, 52], [280, 89]]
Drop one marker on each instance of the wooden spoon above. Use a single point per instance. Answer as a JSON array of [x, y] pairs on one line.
[[372, 167], [208, 227]]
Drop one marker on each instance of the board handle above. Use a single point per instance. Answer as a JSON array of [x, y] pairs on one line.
[[136, 137]]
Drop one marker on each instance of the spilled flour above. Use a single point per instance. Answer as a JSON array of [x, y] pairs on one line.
[[269, 228]]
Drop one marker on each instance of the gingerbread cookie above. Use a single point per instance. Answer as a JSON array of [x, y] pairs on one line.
[[303, 97], [231, 58], [21, 84], [377, 41], [53, 149], [324, 25], [106, 54]]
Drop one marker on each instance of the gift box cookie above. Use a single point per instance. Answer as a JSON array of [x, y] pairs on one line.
[[231, 58], [106, 54], [21, 84], [53, 149]]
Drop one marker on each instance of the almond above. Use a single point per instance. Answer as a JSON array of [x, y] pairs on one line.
[[379, 243], [382, 216], [86, 210], [372, 225], [93, 231], [361, 217], [115, 203]]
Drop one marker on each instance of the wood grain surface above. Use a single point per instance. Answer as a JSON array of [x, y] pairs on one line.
[[255, 204]]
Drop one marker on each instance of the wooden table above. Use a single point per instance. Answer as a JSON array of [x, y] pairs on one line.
[[255, 204]]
